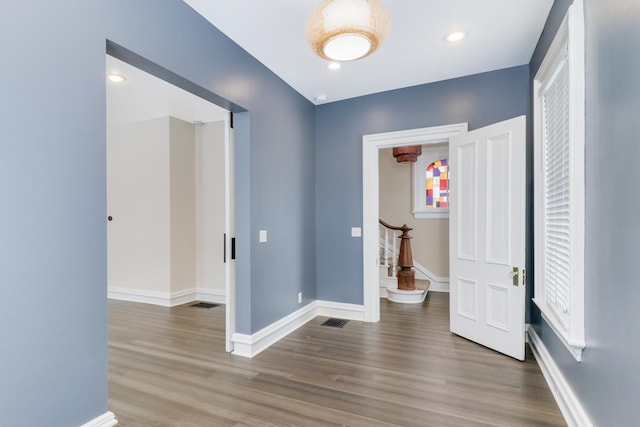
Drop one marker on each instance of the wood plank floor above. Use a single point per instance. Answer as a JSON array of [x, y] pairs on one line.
[[167, 367]]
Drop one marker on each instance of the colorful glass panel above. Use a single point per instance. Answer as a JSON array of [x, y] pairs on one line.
[[437, 184]]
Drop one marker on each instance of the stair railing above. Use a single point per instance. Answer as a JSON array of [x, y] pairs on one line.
[[388, 257], [405, 275]]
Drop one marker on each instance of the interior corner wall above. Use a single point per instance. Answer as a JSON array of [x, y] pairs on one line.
[[430, 243], [182, 205], [53, 250], [607, 380], [166, 191], [479, 100]]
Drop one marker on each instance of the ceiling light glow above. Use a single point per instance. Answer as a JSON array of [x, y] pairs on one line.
[[456, 36], [116, 78]]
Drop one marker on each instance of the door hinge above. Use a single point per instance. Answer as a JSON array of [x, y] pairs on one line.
[[524, 277]]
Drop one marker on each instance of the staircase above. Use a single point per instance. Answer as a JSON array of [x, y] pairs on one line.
[[398, 281]]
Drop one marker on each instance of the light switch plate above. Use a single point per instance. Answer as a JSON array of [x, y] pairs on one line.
[[356, 232], [263, 236]]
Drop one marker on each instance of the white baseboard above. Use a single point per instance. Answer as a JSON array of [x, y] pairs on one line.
[[339, 310], [105, 420], [166, 299], [250, 345], [571, 408], [211, 295], [438, 284]]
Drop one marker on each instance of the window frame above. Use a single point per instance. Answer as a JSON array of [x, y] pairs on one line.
[[568, 43], [431, 152]]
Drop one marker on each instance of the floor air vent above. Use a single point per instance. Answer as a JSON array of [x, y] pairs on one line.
[[204, 305], [334, 323]]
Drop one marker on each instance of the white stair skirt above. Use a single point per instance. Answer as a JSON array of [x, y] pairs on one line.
[[389, 289], [406, 297]]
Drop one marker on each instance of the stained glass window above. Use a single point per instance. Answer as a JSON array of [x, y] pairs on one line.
[[437, 184]]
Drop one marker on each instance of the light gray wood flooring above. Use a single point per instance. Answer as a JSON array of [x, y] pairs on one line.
[[167, 367]]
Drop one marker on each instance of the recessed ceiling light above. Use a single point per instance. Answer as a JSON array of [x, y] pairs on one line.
[[116, 78], [321, 98], [334, 66], [457, 36]]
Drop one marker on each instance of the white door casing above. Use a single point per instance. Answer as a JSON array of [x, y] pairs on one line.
[[487, 235], [230, 232], [370, 200]]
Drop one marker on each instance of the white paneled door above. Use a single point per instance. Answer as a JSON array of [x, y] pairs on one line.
[[487, 236]]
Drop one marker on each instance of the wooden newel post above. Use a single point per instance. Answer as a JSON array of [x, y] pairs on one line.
[[406, 274]]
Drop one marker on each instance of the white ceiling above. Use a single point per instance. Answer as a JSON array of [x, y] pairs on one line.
[[501, 34], [143, 96]]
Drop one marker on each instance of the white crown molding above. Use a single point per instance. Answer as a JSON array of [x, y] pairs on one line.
[[107, 419], [571, 408]]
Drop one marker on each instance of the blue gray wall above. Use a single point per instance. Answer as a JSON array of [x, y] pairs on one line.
[[53, 313], [480, 100], [607, 381], [294, 174]]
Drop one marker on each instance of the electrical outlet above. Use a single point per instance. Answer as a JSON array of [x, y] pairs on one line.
[[299, 297]]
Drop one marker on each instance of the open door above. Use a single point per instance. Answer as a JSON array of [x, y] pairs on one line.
[[487, 236]]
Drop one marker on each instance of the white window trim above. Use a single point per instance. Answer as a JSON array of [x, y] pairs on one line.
[[570, 36], [431, 152]]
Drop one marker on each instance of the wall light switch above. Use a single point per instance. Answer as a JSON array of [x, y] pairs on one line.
[[263, 236], [356, 232]]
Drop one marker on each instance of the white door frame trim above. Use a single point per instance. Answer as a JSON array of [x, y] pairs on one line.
[[229, 227], [371, 199]]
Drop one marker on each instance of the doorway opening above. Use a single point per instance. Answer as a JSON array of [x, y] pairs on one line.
[[371, 199], [486, 228], [170, 194]]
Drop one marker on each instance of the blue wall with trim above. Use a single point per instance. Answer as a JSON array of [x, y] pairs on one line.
[[298, 175], [607, 381], [53, 309], [480, 100]]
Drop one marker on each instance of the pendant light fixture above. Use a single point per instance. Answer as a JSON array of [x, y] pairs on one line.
[[346, 30]]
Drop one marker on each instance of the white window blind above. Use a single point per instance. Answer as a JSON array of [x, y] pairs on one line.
[[559, 183], [557, 230]]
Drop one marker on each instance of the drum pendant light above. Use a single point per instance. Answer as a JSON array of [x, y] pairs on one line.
[[346, 30]]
